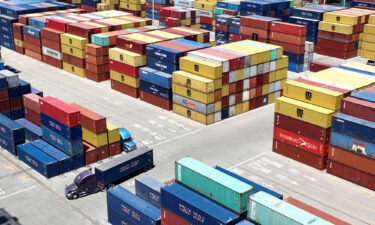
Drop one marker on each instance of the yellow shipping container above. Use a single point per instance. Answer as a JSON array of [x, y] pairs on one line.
[[132, 1], [312, 94], [239, 108], [369, 28], [103, 6], [240, 74], [197, 26], [272, 76], [96, 140], [79, 53], [113, 133], [193, 94], [335, 27], [282, 63], [204, 5], [125, 79], [134, 7], [271, 98], [336, 17], [141, 21], [111, 2], [281, 74], [200, 36], [263, 55], [253, 56], [266, 47], [367, 37], [144, 38], [18, 43], [225, 90], [309, 113], [186, 22], [74, 69], [367, 45], [366, 54], [191, 114], [164, 34], [76, 1], [371, 19], [124, 23], [360, 66], [196, 82], [245, 106], [203, 68], [265, 89], [209, 1], [73, 40], [127, 57]]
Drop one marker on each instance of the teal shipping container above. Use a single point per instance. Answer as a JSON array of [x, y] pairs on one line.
[[268, 210], [216, 185]]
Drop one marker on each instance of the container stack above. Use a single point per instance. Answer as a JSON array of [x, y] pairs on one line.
[[207, 17], [351, 153], [162, 60], [61, 127], [177, 16], [90, 5], [367, 40], [32, 108], [32, 42], [51, 47], [339, 32], [222, 31], [73, 54], [108, 5], [220, 82], [227, 8], [97, 62], [256, 28], [94, 131], [276, 9], [363, 4], [136, 7], [304, 114], [153, 8], [11, 134], [114, 144], [18, 38]]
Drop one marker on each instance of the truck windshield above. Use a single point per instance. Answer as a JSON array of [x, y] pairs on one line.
[[128, 139]]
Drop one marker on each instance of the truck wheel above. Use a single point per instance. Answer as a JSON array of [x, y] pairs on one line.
[[75, 196], [110, 186]]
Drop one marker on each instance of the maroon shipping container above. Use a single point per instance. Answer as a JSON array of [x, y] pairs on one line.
[[315, 211], [4, 94], [83, 30], [115, 149], [346, 38], [32, 40], [358, 108], [18, 36], [351, 159], [96, 50], [254, 33], [325, 43], [4, 106], [52, 61], [291, 48], [34, 48], [255, 103], [50, 34], [288, 28], [345, 92], [97, 77], [60, 111], [34, 55], [51, 44], [125, 89], [255, 23], [222, 27], [90, 120], [75, 61], [91, 153], [31, 101], [32, 116], [235, 37], [124, 68], [156, 100], [97, 68], [351, 174], [134, 45], [300, 155], [103, 152], [319, 66], [20, 50], [335, 53], [169, 218], [18, 27], [15, 103], [97, 60], [287, 38]]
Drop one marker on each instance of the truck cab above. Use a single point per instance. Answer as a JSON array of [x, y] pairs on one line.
[[84, 184], [127, 143]]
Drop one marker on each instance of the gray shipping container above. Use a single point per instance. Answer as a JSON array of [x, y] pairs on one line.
[[194, 105], [12, 78]]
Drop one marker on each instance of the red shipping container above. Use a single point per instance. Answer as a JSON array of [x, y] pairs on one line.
[[60, 111], [230, 12], [254, 33], [97, 60], [32, 40], [156, 6], [288, 38], [156, 100], [254, 38], [91, 153], [239, 86], [34, 55], [179, 14], [4, 94], [134, 45], [96, 50], [325, 43], [4, 106], [301, 142], [239, 97], [291, 48], [225, 78], [83, 30], [351, 174], [51, 44], [20, 50], [125, 89], [15, 103], [97, 77], [34, 48], [75, 61], [172, 22], [302, 128], [352, 159], [97, 68], [288, 28], [206, 34], [18, 27], [124, 68], [222, 27], [259, 91], [235, 37], [50, 34], [18, 36], [358, 108], [319, 66], [315, 211], [52, 61], [32, 116], [346, 38], [300, 155], [169, 218], [252, 93], [335, 53], [255, 103], [103, 152], [232, 88], [90, 120], [207, 20], [31, 101], [115, 149], [253, 82], [249, 21]]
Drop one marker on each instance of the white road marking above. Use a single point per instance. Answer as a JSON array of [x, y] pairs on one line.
[[160, 137], [173, 131], [162, 117], [2, 191], [152, 122], [294, 171], [178, 137], [161, 125], [238, 164], [310, 178], [272, 163], [147, 142], [258, 166], [171, 121], [136, 125], [186, 128], [17, 192], [118, 102], [145, 129], [237, 171]]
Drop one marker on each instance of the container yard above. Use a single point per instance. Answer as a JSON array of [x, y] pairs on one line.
[[187, 112]]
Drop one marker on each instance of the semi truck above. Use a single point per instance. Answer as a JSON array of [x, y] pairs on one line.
[[106, 175]]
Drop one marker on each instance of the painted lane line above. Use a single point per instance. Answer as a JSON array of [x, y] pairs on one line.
[[32, 187], [175, 138], [238, 164]]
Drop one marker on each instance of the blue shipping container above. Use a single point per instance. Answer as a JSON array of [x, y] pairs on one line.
[[69, 133], [134, 209], [257, 187], [354, 127], [255, 6], [8, 145], [78, 161], [195, 208], [149, 189], [163, 53], [352, 144], [38, 160], [3, 82], [69, 147], [14, 92], [161, 65], [37, 92], [155, 90], [245, 222], [295, 58], [64, 161], [17, 114], [25, 87], [156, 77], [223, 19], [365, 95], [116, 219], [31, 31], [11, 130], [32, 131]]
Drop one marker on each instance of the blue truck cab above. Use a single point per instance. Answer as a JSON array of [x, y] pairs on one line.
[[127, 142]]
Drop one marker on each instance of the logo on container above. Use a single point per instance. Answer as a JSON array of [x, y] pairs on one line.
[[154, 197], [124, 168], [198, 217], [308, 95], [184, 209], [299, 113], [125, 209], [359, 147]]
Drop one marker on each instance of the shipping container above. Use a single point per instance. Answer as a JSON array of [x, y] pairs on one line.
[[137, 210], [169, 218], [70, 133], [268, 210], [245, 222], [64, 161], [11, 130], [358, 108], [353, 126], [149, 189], [358, 146], [71, 148], [226, 190], [38, 160], [97, 140], [8, 145], [32, 131], [195, 208]]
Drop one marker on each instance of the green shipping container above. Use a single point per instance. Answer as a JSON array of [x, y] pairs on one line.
[[268, 210], [214, 184]]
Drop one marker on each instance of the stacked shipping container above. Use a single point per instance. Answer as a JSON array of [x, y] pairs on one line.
[[136, 7], [11, 134], [177, 16], [367, 40]]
